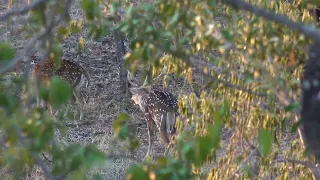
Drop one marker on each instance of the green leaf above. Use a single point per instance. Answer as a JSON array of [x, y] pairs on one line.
[[6, 52], [9, 103], [97, 177], [60, 92], [174, 20], [292, 107], [204, 146], [136, 172], [248, 77], [93, 156], [227, 35], [214, 132], [120, 127], [91, 8], [63, 31], [265, 141]]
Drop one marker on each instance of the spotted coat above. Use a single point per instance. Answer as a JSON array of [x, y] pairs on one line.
[[69, 72], [159, 107], [159, 102]]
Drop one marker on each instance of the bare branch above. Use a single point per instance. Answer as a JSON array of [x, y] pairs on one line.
[[200, 65], [20, 11], [308, 31]]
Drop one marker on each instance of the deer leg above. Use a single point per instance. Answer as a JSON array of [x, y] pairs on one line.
[[163, 131], [171, 122], [79, 99], [51, 111], [150, 124]]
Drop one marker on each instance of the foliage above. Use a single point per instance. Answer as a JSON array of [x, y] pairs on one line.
[[260, 64]]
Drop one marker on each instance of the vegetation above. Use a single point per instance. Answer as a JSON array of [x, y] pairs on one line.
[[239, 110]]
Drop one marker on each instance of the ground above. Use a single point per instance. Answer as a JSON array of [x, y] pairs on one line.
[[104, 98]]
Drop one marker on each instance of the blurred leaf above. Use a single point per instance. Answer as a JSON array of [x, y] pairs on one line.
[[136, 172], [63, 32], [248, 77], [120, 127], [93, 156], [292, 107], [91, 8], [97, 177], [6, 52], [8, 103], [265, 141], [60, 92], [204, 145]]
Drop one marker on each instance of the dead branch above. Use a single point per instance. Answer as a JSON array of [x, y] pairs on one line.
[[308, 31], [20, 11]]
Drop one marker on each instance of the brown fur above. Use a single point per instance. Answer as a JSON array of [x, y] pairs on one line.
[[70, 72]]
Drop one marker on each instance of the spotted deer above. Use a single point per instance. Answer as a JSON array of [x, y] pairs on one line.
[[159, 107], [70, 72]]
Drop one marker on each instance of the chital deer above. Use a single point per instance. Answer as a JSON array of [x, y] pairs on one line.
[[69, 72], [159, 108]]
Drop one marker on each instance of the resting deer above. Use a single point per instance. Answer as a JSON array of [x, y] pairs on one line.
[[69, 72], [159, 107]]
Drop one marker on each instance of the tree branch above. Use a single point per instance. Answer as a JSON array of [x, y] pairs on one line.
[[314, 169], [20, 11], [308, 31], [47, 173]]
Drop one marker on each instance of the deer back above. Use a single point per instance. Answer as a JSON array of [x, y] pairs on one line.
[[69, 71], [163, 109]]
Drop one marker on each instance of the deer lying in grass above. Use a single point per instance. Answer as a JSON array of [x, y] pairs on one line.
[[159, 107], [70, 72]]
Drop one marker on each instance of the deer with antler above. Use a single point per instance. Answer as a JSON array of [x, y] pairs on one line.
[[160, 108]]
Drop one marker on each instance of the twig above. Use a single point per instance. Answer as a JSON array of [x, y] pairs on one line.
[[20, 11], [45, 157], [308, 31]]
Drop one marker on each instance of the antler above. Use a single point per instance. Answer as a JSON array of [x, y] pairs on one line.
[[130, 78]]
